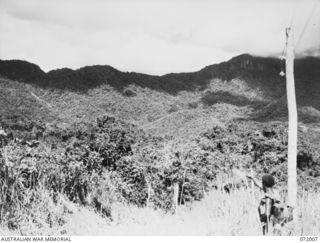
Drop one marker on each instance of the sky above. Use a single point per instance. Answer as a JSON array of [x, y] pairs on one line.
[[153, 36]]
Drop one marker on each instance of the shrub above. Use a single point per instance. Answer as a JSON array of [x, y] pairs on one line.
[[129, 93], [193, 105]]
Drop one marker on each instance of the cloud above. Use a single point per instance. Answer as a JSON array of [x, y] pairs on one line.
[[149, 36]]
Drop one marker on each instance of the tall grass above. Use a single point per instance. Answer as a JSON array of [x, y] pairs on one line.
[[218, 213]]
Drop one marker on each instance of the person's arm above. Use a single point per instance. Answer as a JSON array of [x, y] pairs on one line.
[[256, 182]]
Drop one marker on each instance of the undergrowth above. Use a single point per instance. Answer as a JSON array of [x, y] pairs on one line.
[[218, 213]]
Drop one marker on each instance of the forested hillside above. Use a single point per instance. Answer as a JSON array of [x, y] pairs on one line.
[[96, 137]]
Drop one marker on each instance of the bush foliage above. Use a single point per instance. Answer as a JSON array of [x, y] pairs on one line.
[[112, 161]]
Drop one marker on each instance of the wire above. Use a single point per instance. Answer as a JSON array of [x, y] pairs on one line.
[[282, 61], [291, 23], [282, 56], [294, 8], [314, 7], [283, 52]]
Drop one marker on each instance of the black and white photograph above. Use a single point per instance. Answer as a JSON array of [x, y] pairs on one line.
[[159, 118]]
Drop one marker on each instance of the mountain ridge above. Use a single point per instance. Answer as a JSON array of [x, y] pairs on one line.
[[257, 72], [242, 61]]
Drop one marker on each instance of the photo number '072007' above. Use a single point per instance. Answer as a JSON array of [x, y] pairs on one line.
[[311, 239]]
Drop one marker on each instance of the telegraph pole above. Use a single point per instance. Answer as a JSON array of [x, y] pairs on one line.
[[293, 126]]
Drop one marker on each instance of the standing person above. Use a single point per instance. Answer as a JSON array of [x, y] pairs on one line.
[[267, 202], [272, 211]]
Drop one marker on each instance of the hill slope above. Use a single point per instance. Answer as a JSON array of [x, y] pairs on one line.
[[244, 87]]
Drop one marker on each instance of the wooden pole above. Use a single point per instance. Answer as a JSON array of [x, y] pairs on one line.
[[149, 194], [252, 184], [293, 126], [182, 187], [175, 196]]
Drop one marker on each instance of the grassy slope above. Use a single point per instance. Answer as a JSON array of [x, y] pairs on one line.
[[217, 214]]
